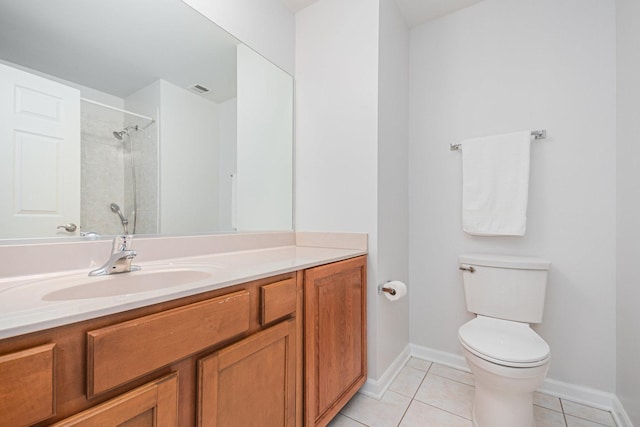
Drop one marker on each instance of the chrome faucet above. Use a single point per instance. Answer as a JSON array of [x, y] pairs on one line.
[[120, 260]]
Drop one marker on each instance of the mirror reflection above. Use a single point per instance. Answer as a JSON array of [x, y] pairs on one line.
[[137, 117]]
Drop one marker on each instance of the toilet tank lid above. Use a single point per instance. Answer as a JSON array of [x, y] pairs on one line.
[[505, 261]]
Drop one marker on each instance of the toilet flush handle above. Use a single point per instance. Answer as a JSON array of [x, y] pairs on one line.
[[469, 269]]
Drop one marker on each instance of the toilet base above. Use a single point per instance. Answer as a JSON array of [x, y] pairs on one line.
[[503, 395], [502, 410]]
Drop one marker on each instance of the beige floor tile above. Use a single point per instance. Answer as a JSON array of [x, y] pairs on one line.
[[547, 401], [580, 422], [407, 381], [452, 374], [342, 421], [588, 413], [386, 412], [443, 393], [420, 364], [422, 415], [548, 418]]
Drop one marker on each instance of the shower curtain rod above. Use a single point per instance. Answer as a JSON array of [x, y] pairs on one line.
[[117, 109], [536, 134]]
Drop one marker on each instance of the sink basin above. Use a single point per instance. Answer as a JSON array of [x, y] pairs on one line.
[[124, 283]]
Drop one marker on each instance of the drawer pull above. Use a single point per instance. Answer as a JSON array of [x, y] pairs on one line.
[[125, 351]]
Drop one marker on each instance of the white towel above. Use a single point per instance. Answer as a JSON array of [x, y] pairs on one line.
[[495, 184]]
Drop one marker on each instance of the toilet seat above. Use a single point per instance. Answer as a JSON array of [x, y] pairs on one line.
[[504, 342]]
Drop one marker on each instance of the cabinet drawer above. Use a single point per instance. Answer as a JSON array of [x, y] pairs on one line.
[[27, 386], [153, 404], [120, 353], [278, 300]]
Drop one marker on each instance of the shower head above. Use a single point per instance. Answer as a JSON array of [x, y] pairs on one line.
[[116, 209], [118, 134]]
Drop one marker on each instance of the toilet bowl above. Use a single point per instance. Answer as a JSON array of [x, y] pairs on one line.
[[508, 359], [509, 362]]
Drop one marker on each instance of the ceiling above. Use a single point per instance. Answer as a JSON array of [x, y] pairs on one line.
[[415, 12]]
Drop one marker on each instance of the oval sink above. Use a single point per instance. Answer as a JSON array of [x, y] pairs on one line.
[[125, 283]]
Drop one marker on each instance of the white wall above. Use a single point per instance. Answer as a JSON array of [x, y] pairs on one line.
[[393, 188], [500, 66], [189, 137], [266, 26], [337, 128], [628, 208], [265, 144], [227, 163]]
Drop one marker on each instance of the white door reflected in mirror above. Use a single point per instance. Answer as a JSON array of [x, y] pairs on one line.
[[39, 155]]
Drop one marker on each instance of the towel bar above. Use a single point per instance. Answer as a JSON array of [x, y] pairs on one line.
[[536, 134]]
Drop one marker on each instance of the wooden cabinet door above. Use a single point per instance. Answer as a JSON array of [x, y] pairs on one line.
[[27, 386], [152, 405], [335, 337], [250, 383]]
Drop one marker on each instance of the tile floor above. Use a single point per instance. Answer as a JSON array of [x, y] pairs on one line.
[[426, 394]]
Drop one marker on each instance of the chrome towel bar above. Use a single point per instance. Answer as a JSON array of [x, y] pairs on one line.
[[536, 134]]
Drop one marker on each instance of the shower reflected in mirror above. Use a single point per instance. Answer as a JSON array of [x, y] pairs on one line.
[[119, 150], [125, 222]]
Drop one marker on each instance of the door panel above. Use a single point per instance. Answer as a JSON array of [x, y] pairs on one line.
[[251, 383], [39, 155]]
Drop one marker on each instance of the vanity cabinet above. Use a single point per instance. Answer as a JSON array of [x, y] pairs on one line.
[[152, 405], [335, 337], [27, 382], [251, 383], [141, 367], [283, 351]]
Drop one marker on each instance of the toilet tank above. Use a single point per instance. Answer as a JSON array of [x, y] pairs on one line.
[[505, 287]]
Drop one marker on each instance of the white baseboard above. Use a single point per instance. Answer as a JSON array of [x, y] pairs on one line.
[[620, 415], [451, 360], [376, 388], [579, 394]]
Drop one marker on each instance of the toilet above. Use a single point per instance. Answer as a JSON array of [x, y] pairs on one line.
[[508, 359]]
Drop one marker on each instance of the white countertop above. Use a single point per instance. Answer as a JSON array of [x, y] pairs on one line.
[[24, 306]]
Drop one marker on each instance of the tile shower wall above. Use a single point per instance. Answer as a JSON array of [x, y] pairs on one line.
[[102, 172], [106, 173]]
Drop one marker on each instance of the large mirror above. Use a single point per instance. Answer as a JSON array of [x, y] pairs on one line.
[[141, 117]]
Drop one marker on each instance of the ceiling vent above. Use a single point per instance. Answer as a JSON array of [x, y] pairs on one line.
[[199, 89]]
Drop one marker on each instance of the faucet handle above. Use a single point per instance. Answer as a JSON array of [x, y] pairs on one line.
[[122, 243]]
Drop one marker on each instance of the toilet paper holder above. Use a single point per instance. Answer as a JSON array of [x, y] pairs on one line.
[[383, 288]]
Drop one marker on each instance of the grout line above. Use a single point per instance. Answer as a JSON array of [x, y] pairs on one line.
[[420, 385], [451, 379], [564, 415], [353, 419], [415, 392], [444, 410], [586, 419], [590, 420], [548, 409], [405, 412], [428, 371]]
